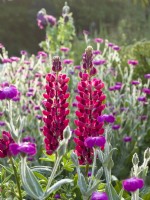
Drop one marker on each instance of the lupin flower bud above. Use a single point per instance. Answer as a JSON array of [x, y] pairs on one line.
[[56, 107], [89, 106]]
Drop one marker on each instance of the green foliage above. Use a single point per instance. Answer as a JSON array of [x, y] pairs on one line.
[[141, 52]]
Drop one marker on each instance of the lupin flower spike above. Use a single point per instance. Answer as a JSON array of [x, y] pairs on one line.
[[56, 107]]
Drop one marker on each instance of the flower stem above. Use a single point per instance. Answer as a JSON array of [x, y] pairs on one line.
[[16, 177], [135, 195], [53, 173], [86, 170]]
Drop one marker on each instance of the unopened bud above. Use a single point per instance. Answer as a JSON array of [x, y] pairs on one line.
[[62, 148], [147, 154], [67, 133], [135, 159]]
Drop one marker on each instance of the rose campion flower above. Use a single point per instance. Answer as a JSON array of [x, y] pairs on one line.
[[8, 92], [99, 196], [134, 82], [99, 62], [147, 76], [133, 62], [67, 61], [57, 196], [116, 48], [90, 142], [64, 49], [116, 127], [5, 142], [142, 99], [146, 90], [23, 147], [127, 139], [106, 118], [98, 40], [133, 184]]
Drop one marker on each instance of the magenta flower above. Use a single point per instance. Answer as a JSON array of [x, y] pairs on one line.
[[8, 92], [24, 147], [116, 48], [14, 59], [42, 54], [85, 32], [2, 123], [135, 82], [146, 90], [99, 196], [143, 117], [133, 184], [51, 20], [67, 61], [106, 118], [6, 60], [56, 107], [142, 99], [99, 62], [133, 62], [97, 52], [116, 127], [90, 105], [147, 76], [127, 139], [64, 49], [23, 52], [5, 141], [98, 40], [90, 142], [57, 196]]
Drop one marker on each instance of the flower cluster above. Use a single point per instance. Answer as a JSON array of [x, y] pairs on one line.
[[5, 141], [56, 107], [89, 106]]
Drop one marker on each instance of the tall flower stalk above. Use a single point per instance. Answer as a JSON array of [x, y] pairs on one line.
[[90, 105], [56, 107]]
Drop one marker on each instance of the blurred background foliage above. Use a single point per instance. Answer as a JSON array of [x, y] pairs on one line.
[[124, 22]]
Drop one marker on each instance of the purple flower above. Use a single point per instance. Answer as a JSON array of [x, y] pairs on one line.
[[98, 40], [24, 147], [97, 52], [8, 92], [106, 118], [135, 82], [2, 123], [133, 184], [89, 173], [36, 107], [1, 114], [110, 44], [99, 62], [42, 54], [23, 52], [143, 117], [51, 20], [78, 67], [146, 90], [147, 76], [64, 49], [67, 61], [28, 139], [133, 62], [85, 32], [57, 196], [29, 94], [142, 99], [99, 196], [6, 60], [116, 127], [39, 117], [127, 139], [14, 59], [116, 48], [90, 142]]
